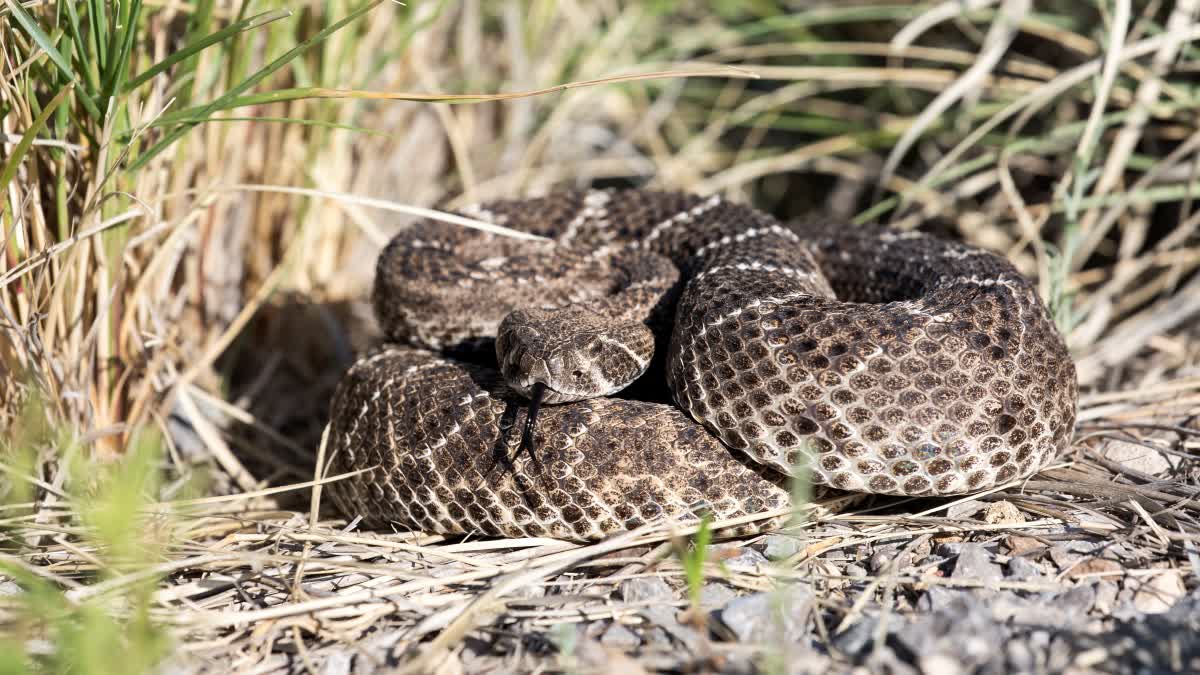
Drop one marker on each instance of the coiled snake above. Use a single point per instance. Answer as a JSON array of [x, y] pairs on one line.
[[881, 361]]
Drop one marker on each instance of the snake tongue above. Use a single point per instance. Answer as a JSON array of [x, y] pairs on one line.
[[537, 393]]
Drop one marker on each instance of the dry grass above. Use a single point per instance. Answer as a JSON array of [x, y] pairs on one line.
[[194, 304]]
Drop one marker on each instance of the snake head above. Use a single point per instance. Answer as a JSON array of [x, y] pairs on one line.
[[576, 353]]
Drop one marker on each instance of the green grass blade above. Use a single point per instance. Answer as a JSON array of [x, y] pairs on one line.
[[86, 77], [207, 41], [99, 23], [26, 142], [249, 82], [123, 46], [47, 45]]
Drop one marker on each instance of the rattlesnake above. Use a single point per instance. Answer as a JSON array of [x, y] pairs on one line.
[[879, 360]]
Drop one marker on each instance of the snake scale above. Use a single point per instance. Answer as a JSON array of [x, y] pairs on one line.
[[881, 361]]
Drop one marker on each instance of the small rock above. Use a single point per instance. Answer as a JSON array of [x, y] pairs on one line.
[[1021, 658], [1157, 594], [940, 664], [1094, 567], [886, 557], [644, 589], [964, 510], [855, 571], [1003, 512], [737, 557], [715, 595], [337, 662], [1106, 596], [962, 628], [974, 562], [618, 636], [1078, 600], [779, 616], [781, 546], [1139, 458], [1018, 545], [668, 619], [1022, 569], [596, 658], [941, 599], [656, 636], [858, 638], [1068, 553]]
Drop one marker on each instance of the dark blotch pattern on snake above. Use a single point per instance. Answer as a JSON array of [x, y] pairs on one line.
[[885, 361]]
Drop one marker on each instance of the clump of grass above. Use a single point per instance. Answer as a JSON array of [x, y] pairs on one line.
[[57, 624]]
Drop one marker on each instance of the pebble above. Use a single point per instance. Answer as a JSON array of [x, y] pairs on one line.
[[645, 589], [1078, 600], [1157, 594], [974, 562], [1068, 553], [715, 595], [781, 546], [1003, 512], [781, 616], [858, 638], [1106, 596], [618, 636], [1022, 569], [1018, 545], [1094, 567], [737, 557], [1139, 458], [855, 571], [337, 662], [886, 557], [964, 510]]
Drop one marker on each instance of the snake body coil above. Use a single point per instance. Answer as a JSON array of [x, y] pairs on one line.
[[884, 361]]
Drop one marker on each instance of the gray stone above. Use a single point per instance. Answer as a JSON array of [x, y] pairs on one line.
[[1106, 596], [715, 595], [855, 571], [941, 598], [1140, 458], [962, 630], [888, 557], [1021, 657], [779, 616], [744, 557], [1023, 569], [1158, 593], [858, 638], [964, 509], [665, 617], [1078, 600], [1066, 554], [337, 662], [618, 636], [645, 589], [974, 562], [781, 546]]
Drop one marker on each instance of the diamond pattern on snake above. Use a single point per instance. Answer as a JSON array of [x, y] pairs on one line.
[[661, 350]]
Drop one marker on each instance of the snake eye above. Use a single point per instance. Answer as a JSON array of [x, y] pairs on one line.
[[578, 374]]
